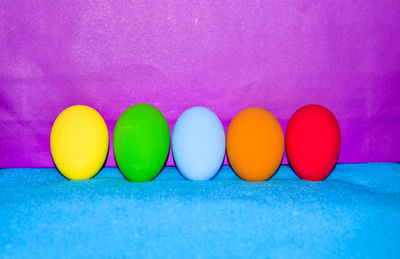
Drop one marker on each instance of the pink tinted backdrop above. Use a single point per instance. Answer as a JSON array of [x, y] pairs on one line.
[[224, 55]]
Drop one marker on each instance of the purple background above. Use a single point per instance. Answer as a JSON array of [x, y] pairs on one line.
[[225, 55]]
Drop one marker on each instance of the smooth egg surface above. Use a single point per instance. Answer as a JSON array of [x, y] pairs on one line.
[[79, 142], [141, 142], [313, 142], [198, 144], [254, 144]]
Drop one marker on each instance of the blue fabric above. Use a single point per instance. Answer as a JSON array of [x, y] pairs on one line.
[[353, 213]]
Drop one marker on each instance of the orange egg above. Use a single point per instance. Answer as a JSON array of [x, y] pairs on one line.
[[254, 144]]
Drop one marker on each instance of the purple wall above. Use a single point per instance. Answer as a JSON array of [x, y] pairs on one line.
[[225, 55]]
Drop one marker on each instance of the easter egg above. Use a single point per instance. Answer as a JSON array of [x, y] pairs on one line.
[[254, 144], [198, 144], [141, 142], [79, 142], [313, 142]]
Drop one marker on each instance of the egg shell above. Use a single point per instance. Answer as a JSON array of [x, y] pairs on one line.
[[313, 142], [79, 142], [141, 142], [198, 144], [255, 144]]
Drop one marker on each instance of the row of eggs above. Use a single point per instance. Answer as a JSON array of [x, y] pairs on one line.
[[254, 143]]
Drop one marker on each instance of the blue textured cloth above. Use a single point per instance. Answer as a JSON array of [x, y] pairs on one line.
[[353, 213]]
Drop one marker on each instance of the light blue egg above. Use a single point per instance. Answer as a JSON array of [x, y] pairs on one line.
[[198, 144]]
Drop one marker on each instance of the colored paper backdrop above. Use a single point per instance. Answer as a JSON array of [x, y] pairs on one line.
[[225, 55]]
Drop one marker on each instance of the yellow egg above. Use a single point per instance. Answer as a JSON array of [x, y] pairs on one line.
[[79, 142]]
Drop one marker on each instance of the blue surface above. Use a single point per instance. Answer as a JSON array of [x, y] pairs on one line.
[[353, 213]]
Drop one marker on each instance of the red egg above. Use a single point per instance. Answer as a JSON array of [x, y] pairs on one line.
[[312, 142]]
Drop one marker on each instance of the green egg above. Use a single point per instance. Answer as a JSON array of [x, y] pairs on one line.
[[141, 142]]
